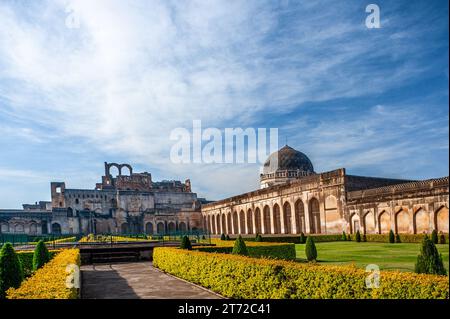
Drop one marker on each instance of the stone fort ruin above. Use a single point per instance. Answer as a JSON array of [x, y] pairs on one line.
[[126, 203]]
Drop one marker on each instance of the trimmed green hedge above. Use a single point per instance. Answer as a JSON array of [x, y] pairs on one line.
[[281, 251], [244, 277], [26, 258], [381, 238]]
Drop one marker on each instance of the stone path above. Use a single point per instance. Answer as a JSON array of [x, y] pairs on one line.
[[138, 280]]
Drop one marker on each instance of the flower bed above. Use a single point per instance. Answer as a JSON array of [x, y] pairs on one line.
[[244, 277], [49, 282]]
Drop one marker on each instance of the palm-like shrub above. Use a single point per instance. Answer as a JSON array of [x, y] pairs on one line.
[[391, 237], [186, 243], [41, 255], [310, 249], [429, 261], [239, 247], [11, 273]]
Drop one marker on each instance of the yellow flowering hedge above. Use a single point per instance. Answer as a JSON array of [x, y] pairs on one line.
[[255, 249], [250, 278], [107, 238], [49, 282]]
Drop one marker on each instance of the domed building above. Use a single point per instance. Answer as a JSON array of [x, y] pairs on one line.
[[284, 165]]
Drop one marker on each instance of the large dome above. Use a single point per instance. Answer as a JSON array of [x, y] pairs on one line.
[[287, 158]]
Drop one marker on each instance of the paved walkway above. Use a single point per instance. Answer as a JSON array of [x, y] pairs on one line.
[[139, 280]]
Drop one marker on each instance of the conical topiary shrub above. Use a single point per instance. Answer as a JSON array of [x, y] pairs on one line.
[[302, 238], [358, 236], [239, 247], [391, 237], [41, 255], [434, 236], [310, 249], [222, 237], [258, 238], [344, 236], [11, 273], [429, 261], [228, 237], [397, 238], [349, 237], [186, 243], [364, 238]]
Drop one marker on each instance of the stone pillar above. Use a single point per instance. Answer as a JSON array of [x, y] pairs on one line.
[[411, 219], [294, 219], [282, 221], [323, 215], [272, 220], [307, 219]]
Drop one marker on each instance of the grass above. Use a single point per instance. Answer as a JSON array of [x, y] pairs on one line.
[[387, 256]]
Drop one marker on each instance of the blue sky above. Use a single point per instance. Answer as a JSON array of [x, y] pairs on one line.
[[374, 101]]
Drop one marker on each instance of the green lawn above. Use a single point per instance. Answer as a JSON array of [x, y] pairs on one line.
[[387, 256]]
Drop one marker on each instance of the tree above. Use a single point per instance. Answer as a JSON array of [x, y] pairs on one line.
[[429, 261], [391, 237], [310, 249], [344, 236], [222, 237], [40, 256], [239, 247], [358, 236], [442, 239], [434, 236], [258, 238], [186, 243], [302, 238], [397, 238], [11, 273]]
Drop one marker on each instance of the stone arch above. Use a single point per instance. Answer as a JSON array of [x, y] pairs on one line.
[[4, 228], [125, 228], [266, 219], [369, 223], [276, 219], [149, 228], [224, 224], [287, 218], [160, 229], [258, 220], [355, 223], [115, 165], [241, 222], [19, 228], [384, 222], [213, 224], [182, 227], [33, 228], [300, 216], [130, 169], [229, 223], [314, 216], [402, 222], [56, 229], [441, 219], [421, 221], [235, 223], [249, 221], [171, 227]]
